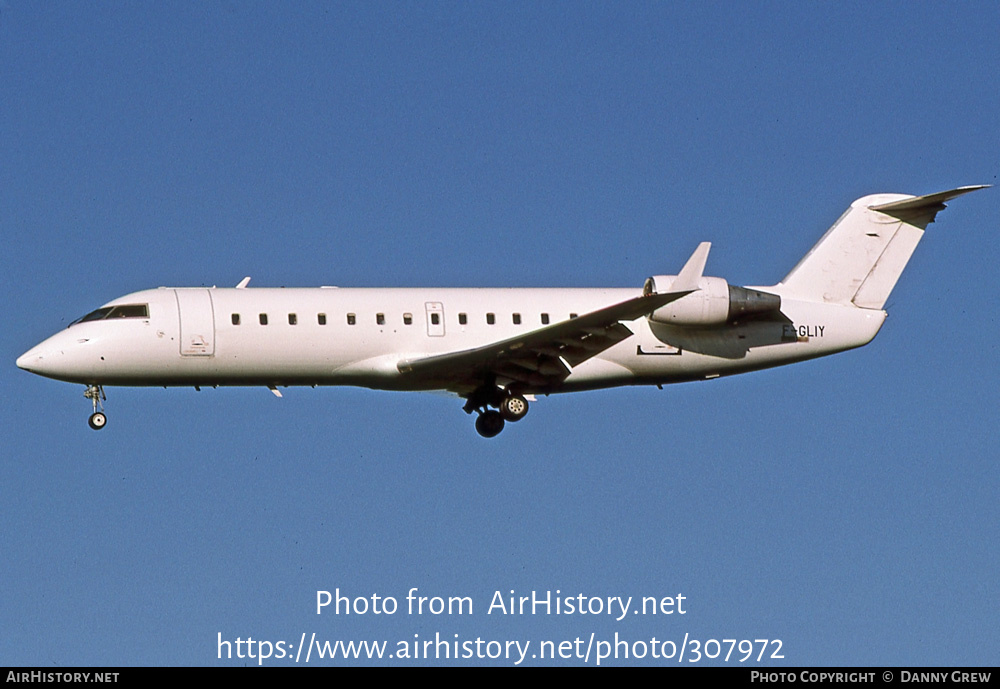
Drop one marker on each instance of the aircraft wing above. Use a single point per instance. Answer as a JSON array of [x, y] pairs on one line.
[[541, 359]]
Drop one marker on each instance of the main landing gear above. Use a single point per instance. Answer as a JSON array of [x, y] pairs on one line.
[[98, 419], [510, 406]]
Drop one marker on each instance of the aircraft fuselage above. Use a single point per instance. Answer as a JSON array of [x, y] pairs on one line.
[[341, 336]]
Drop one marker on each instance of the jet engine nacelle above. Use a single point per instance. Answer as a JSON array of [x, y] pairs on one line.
[[714, 302]]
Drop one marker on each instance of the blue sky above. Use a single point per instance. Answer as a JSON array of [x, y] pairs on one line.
[[847, 506]]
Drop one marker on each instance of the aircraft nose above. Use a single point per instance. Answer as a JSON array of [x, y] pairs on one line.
[[45, 359], [59, 357], [28, 359]]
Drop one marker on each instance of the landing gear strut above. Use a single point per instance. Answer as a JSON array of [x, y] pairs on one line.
[[510, 405], [98, 419]]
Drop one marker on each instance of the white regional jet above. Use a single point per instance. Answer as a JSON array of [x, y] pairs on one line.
[[497, 348]]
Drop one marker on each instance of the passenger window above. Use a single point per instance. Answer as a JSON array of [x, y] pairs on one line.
[[263, 319], [351, 319], [545, 319], [462, 319], [517, 319], [292, 319], [236, 319], [321, 318], [407, 319], [435, 319], [380, 318], [491, 319]]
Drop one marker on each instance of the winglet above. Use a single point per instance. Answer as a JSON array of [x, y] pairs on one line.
[[244, 282], [689, 277]]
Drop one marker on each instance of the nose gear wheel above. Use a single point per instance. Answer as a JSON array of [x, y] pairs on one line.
[[95, 393]]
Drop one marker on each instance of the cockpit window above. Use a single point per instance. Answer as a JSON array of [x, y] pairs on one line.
[[120, 311], [93, 315], [129, 311]]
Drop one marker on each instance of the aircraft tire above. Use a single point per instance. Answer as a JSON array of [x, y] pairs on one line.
[[514, 408], [489, 424], [97, 420]]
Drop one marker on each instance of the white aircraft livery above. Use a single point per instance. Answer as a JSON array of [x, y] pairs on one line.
[[499, 348]]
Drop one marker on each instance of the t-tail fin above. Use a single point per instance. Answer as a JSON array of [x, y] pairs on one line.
[[861, 257]]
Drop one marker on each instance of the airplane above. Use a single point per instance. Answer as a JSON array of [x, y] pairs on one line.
[[500, 348]]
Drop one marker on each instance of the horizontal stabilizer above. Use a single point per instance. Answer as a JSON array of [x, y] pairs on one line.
[[919, 206]]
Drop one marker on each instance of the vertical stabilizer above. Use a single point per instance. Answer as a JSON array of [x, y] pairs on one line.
[[861, 257]]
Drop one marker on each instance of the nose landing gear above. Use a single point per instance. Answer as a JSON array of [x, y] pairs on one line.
[[95, 393]]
